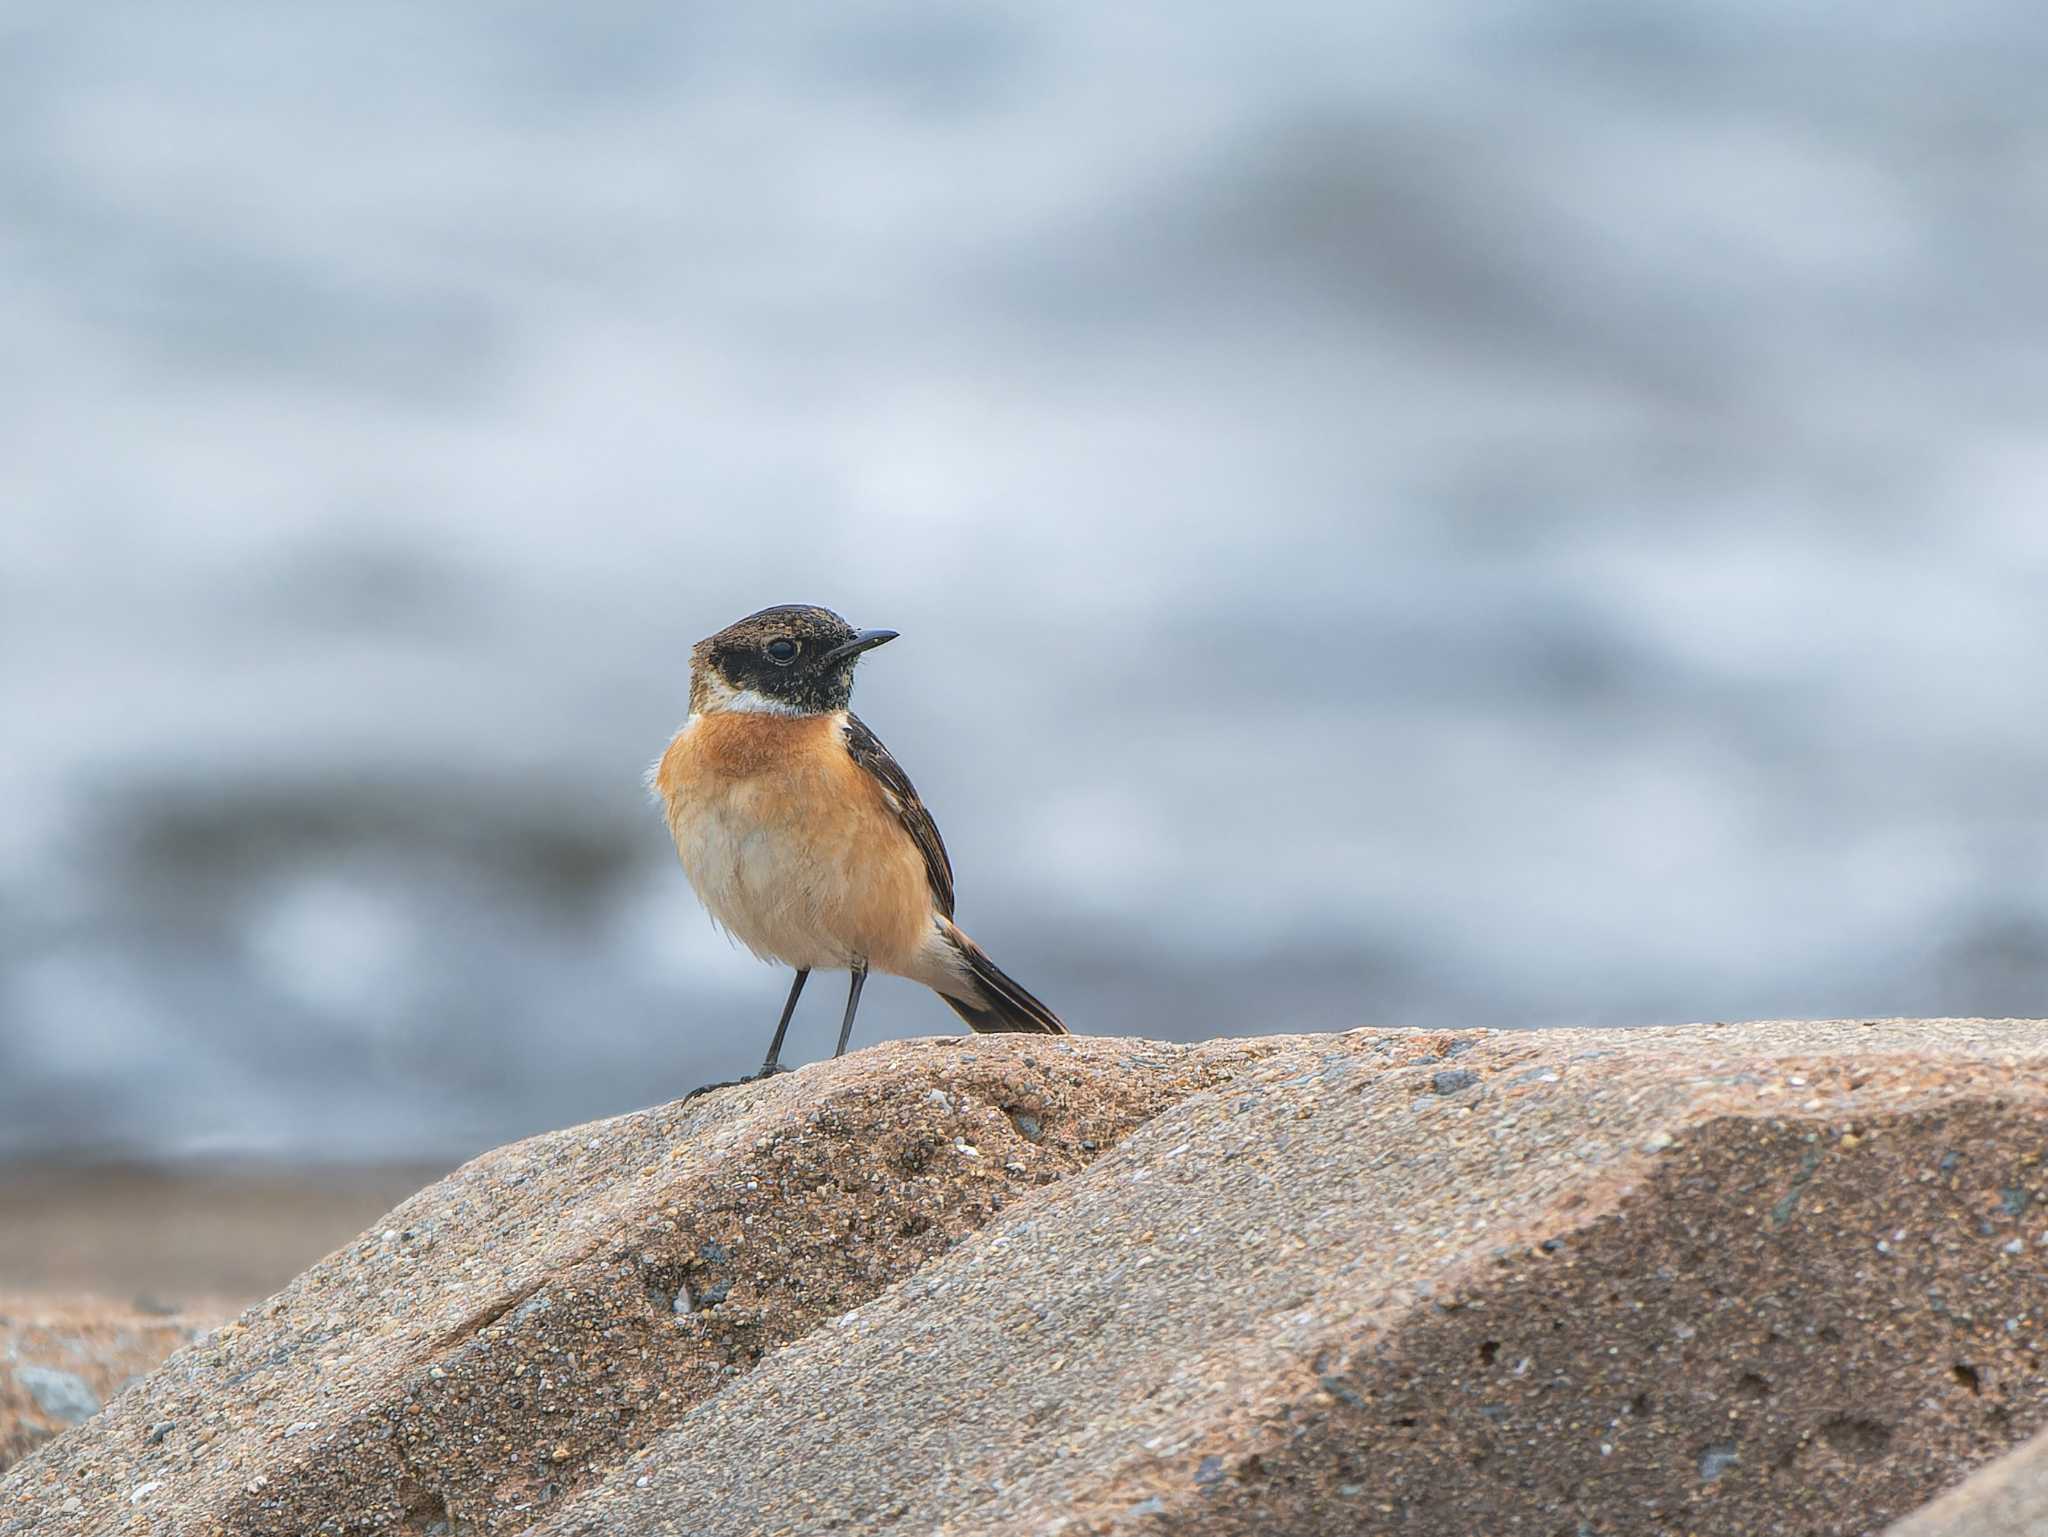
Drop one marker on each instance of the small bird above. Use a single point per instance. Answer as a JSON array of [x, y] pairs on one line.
[[804, 839]]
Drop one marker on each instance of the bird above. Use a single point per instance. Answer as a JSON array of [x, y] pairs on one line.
[[803, 837]]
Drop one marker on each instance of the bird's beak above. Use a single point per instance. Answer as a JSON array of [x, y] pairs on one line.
[[867, 640]]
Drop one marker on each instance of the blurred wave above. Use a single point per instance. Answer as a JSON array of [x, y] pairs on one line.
[[1483, 512]]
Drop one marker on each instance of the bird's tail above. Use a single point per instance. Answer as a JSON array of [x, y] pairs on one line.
[[1000, 1002]]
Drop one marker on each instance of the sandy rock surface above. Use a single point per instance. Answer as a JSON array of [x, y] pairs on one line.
[[1746, 1279], [1727, 1278], [508, 1334]]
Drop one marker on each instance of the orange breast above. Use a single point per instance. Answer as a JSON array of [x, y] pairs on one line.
[[720, 748], [790, 843]]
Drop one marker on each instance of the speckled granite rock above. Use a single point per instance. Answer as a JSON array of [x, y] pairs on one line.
[[1729, 1279], [524, 1324], [61, 1359], [2007, 1499]]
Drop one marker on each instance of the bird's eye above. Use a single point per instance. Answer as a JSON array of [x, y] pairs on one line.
[[782, 649]]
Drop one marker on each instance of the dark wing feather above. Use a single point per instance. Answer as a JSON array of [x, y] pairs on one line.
[[873, 757]]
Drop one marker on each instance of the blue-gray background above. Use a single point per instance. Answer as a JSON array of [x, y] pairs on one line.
[[1475, 512]]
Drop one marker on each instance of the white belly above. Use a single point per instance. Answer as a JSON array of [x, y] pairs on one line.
[[780, 896], [793, 849]]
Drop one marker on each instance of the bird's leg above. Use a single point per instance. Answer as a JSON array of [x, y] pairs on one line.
[[771, 1066], [860, 976]]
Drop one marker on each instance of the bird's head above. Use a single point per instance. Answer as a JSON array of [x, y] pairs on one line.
[[792, 660]]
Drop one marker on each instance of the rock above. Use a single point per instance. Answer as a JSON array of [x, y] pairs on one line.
[[62, 1395], [59, 1360], [509, 1334], [1299, 1289], [1369, 1307], [2007, 1499]]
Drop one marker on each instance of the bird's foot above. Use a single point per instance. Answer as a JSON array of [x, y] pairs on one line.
[[768, 1071], [709, 1088]]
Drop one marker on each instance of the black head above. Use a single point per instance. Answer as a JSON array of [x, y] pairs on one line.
[[792, 660]]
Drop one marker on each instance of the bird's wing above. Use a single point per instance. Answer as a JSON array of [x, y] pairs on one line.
[[873, 759]]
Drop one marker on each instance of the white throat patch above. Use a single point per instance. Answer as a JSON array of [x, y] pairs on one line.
[[715, 694], [746, 701]]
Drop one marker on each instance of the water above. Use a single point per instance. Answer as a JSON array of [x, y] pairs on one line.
[[1473, 513]]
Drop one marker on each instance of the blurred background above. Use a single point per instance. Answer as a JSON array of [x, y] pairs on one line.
[[1498, 512]]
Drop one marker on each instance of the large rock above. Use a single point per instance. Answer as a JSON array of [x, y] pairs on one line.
[[1728, 1279], [60, 1359], [1734, 1280], [509, 1333]]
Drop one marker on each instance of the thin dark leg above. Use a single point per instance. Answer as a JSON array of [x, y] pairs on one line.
[[782, 1025], [860, 976]]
